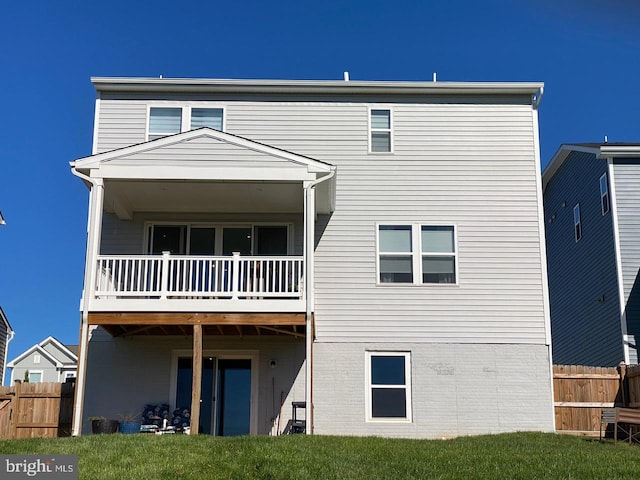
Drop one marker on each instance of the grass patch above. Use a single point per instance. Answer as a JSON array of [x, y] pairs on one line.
[[508, 456]]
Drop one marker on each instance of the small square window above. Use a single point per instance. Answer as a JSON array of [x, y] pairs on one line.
[[604, 195], [35, 377], [380, 126], [388, 386]]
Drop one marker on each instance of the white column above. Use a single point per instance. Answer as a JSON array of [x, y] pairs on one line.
[[94, 229]]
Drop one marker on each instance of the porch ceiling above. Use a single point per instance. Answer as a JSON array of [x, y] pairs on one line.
[[124, 197]]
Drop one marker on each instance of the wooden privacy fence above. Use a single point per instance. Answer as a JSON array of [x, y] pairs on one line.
[[580, 393], [36, 410]]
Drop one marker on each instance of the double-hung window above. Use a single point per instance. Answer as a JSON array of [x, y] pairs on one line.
[[604, 194], [388, 377], [380, 140], [165, 121], [577, 222], [417, 254]]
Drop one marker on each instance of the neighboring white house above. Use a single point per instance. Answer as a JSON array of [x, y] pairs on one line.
[[47, 361], [6, 335], [374, 249]]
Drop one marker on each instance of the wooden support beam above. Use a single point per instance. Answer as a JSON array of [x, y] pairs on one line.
[[197, 379], [281, 330], [182, 318]]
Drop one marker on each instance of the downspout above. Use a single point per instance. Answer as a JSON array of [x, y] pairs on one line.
[[10, 335], [84, 326], [537, 98], [309, 288]]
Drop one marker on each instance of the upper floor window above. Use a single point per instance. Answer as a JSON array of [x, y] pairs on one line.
[[604, 194], [417, 254], [577, 222], [165, 121], [380, 131]]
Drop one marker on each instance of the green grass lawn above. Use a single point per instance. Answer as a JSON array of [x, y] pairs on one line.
[[508, 456]]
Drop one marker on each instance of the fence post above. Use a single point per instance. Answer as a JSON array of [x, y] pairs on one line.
[[164, 279], [624, 385], [235, 275], [15, 413]]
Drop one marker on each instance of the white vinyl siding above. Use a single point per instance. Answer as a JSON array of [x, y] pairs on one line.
[[388, 388], [577, 222], [604, 195], [454, 163], [380, 139]]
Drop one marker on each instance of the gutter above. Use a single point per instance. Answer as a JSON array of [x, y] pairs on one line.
[[10, 335], [309, 291], [537, 98]]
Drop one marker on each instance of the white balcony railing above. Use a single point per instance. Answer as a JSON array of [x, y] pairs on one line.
[[198, 277]]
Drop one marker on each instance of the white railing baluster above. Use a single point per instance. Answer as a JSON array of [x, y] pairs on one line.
[[167, 276]]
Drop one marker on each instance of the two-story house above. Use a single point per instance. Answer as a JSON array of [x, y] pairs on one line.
[[374, 249], [592, 210], [46, 361]]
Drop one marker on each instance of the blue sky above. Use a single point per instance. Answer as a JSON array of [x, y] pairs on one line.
[[586, 52]]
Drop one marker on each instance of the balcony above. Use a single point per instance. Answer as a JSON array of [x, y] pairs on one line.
[[184, 283]]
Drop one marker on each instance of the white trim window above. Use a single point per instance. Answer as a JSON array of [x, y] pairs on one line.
[[417, 254], [388, 386], [380, 132], [36, 358], [164, 121], [169, 120], [35, 376], [577, 222], [604, 195]]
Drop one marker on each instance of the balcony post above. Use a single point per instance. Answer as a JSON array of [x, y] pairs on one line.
[[164, 279], [235, 276]]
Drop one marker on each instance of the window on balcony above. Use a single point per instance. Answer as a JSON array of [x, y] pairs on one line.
[[417, 254], [206, 239], [388, 376]]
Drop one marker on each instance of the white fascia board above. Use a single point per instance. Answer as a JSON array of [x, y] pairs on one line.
[[101, 158], [59, 346], [618, 151], [3, 317], [120, 84], [176, 172], [36, 348]]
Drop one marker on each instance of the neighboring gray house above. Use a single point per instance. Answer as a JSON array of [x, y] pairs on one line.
[[592, 213], [6, 335], [47, 361], [374, 249]]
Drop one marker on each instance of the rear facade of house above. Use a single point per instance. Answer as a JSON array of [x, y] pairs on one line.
[[371, 250], [592, 210]]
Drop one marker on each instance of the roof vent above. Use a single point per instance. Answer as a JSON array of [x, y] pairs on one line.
[[346, 76]]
